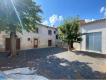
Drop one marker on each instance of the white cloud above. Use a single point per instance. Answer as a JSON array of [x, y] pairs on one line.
[[103, 11], [105, 14], [45, 22], [61, 18], [89, 20], [54, 19]]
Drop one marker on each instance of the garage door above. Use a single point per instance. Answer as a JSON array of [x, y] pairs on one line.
[[93, 41]]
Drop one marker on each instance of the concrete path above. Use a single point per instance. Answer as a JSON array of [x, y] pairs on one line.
[[97, 64]]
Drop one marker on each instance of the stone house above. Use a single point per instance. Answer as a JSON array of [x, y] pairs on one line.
[[44, 36], [94, 38]]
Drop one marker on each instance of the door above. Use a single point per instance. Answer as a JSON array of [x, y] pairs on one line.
[[93, 41], [18, 44], [35, 43], [49, 42], [97, 41], [8, 44]]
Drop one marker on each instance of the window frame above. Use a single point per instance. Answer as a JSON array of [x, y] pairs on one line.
[[49, 32]]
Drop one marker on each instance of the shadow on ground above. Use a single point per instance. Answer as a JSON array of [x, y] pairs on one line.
[[50, 66]]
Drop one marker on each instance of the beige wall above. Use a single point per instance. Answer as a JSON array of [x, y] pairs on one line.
[[65, 45], [24, 42], [44, 37], [77, 46], [2, 40]]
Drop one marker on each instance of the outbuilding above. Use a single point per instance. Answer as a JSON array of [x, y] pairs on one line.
[[94, 36]]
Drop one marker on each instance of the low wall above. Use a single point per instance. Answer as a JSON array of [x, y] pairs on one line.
[[64, 45]]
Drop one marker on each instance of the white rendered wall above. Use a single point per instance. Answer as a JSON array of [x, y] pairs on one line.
[[99, 26]]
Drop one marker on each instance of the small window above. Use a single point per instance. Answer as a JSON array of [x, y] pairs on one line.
[[54, 32], [49, 32], [56, 36], [28, 39], [36, 31]]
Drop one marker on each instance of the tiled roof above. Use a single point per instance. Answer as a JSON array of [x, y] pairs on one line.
[[46, 26]]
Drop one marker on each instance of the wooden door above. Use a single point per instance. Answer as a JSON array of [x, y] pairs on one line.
[[8, 44], [35, 43], [49, 42], [18, 44]]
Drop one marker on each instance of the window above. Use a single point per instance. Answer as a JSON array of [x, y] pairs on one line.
[[36, 31], [28, 39], [56, 36], [49, 32], [93, 41], [54, 32]]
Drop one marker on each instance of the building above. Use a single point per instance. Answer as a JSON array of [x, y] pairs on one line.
[[94, 36], [44, 36]]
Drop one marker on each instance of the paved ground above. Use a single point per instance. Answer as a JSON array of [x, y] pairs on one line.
[[57, 63]]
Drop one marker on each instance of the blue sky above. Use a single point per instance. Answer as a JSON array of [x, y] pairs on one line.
[[54, 11]]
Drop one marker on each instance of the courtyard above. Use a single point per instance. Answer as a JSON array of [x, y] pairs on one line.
[[54, 63]]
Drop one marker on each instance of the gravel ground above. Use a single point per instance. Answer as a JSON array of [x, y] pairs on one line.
[[57, 63]]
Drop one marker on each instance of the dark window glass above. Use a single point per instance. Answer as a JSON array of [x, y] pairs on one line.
[[49, 32], [56, 36], [54, 32], [28, 39], [37, 30], [93, 41]]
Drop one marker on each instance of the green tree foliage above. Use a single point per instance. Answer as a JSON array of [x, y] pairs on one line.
[[69, 31], [18, 15], [28, 12]]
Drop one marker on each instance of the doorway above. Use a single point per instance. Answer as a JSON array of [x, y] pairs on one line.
[[35, 43], [49, 42], [8, 44], [93, 41]]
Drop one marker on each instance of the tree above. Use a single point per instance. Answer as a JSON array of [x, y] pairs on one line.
[[69, 32], [16, 16]]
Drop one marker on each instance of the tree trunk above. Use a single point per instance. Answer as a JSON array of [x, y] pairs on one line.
[[13, 44], [70, 47]]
